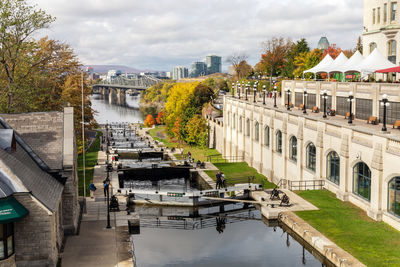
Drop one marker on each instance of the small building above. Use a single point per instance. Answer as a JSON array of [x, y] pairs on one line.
[[38, 186], [323, 43]]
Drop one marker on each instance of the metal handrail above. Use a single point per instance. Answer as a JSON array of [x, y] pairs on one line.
[[218, 158], [306, 184]]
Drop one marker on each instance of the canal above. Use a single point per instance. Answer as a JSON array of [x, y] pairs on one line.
[[213, 235]]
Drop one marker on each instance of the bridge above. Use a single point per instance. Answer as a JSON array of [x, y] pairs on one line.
[[116, 88]]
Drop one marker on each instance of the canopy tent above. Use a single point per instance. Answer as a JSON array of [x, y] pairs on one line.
[[336, 64], [323, 64], [394, 69], [375, 61], [352, 63]]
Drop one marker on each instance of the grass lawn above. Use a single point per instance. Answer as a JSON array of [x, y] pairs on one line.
[[90, 162], [373, 243], [238, 172]]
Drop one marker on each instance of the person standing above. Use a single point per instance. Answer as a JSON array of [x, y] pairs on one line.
[[218, 176], [92, 188], [223, 181]]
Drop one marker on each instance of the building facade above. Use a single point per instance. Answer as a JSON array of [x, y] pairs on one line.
[[323, 43], [381, 27], [357, 164], [214, 64], [180, 72], [198, 68]]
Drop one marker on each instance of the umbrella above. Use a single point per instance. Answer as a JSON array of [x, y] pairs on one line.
[[394, 69]]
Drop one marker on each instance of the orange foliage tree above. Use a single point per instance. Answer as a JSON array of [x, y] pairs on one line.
[[149, 121], [160, 117]]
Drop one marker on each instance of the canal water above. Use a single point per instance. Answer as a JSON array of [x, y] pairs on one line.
[[216, 235]]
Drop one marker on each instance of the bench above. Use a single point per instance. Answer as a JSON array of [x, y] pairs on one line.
[[348, 115], [373, 120], [315, 109], [396, 124]]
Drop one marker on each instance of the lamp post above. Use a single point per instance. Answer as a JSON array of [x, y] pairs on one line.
[[108, 198], [304, 101], [324, 96], [275, 92], [264, 94], [239, 89], [288, 98], [255, 92], [247, 88], [83, 142], [350, 100], [385, 103], [233, 91]]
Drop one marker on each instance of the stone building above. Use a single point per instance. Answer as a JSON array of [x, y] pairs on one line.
[[38, 182], [358, 163]]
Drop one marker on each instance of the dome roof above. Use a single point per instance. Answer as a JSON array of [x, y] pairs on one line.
[[323, 43]]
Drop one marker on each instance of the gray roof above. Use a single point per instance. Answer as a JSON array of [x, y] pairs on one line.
[[43, 132], [43, 186], [7, 139]]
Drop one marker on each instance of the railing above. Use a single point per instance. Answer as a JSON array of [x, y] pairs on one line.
[[306, 185], [219, 159]]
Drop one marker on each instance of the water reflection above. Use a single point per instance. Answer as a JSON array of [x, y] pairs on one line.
[[110, 112]]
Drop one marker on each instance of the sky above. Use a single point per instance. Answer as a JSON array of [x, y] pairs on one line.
[[161, 34]]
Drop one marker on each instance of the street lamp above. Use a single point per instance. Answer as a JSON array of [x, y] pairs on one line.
[[385, 103], [324, 96], [255, 92], [304, 101], [247, 88], [239, 89], [288, 98], [275, 92], [233, 91], [264, 90], [107, 186], [350, 100]]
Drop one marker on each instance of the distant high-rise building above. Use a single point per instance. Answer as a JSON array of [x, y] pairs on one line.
[[180, 72], [198, 69], [323, 43], [214, 64]]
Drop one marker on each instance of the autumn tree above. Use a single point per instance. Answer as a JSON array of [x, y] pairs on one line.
[[149, 121], [275, 52], [359, 45], [243, 70], [197, 131], [160, 118], [307, 60], [235, 60]]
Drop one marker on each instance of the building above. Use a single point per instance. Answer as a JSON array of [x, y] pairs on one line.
[[381, 27], [180, 72], [38, 186], [198, 68], [112, 74], [214, 64], [323, 43]]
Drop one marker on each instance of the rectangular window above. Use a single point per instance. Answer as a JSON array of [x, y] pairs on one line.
[[393, 11], [342, 106], [378, 15], [363, 108], [311, 101], [392, 112], [373, 16], [384, 12]]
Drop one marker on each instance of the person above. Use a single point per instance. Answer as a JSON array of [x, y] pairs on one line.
[[189, 156], [329, 111], [219, 181], [105, 187], [92, 188], [223, 181]]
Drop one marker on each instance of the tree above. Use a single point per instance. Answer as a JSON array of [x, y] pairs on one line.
[[307, 60], [235, 60], [160, 117], [243, 70], [359, 45], [149, 121], [274, 57], [197, 130], [19, 22]]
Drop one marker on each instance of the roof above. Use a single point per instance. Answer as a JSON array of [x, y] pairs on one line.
[[43, 132], [7, 139], [352, 63], [323, 43], [375, 61], [336, 64], [325, 62]]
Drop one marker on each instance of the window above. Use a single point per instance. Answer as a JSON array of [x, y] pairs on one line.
[[248, 127], [394, 196], [279, 142], [392, 112], [266, 136], [373, 16], [384, 12], [257, 132], [378, 15], [311, 101], [362, 180], [6, 240], [311, 157], [342, 106], [363, 108], [240, 124], [234, 121], [333, 167], [393, 12], [372, 47], [392, 51], [293, 148]]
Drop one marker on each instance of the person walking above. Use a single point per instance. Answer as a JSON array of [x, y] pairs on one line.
[[105, 187], [223, 181], [92, 188], [189, 156], [218, 176]]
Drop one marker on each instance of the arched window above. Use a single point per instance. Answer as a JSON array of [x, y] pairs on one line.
[[372, 47], [240, 124], [257, 131], [362, 180], [266, 136], [394, 196], [293, 148], [234, 121], [248, 127], [311, 157], [278, 142], [392, 48], [333, 167]]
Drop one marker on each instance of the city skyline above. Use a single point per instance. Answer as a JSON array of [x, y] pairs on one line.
[[153, 35]]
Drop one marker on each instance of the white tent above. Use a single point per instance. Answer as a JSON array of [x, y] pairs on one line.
[[352, 63], [375, 61], [323, 64], [336, 64]]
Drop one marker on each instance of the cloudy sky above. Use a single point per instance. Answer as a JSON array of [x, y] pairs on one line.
[[160, 34]]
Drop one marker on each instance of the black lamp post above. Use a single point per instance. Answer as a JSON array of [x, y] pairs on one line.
[[247, 88], [304, 101], [350, 100], [324, 96], [255, 92], [108, 199], [385, 103], [239, 89], [288, 98], [275, 92], [233, 89], [264, 94]]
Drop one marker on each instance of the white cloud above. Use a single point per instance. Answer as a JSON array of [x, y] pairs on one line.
[[158, 35]]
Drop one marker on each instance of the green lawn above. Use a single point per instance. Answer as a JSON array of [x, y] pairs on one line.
[[238, 172], [373, 243], [90, 162]]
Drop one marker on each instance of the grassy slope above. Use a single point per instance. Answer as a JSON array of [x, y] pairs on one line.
[[90, 162], [373, 243]]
